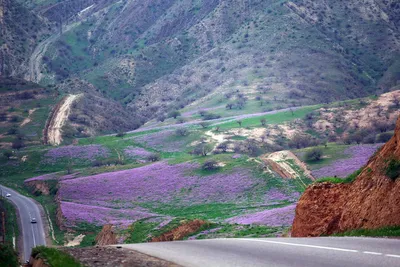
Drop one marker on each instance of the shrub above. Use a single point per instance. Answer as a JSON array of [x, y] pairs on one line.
[[8, 256], [210, 165], [393, 169], [211, 116], [120, 134], [204, 124], [7, 154], [3, 116], [12, 131], [314, 154], [153, 157], [223, 146], [182, 132], [384, 137], [17, 144], [174, 114], [15, 118]]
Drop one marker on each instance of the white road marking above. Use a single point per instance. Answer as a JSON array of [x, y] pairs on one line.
[[372, 253], [300, 245], [321, 247], [33, 235], [392, 255]]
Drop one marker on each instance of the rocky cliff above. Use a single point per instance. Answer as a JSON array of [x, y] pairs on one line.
[[371, 201]]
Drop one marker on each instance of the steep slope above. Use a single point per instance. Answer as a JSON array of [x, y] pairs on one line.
[[20, 31], [371, 201]]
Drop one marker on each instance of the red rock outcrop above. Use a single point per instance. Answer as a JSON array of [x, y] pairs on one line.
[[106, 236], [180, 232], [371, 201]]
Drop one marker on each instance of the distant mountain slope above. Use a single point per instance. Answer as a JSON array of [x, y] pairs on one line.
[[157, 56], [20, 31]]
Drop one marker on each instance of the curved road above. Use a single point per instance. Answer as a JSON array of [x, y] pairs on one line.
[[277, 252], [32, 233]]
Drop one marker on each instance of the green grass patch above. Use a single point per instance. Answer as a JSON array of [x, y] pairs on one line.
[[277, 118], [380, 232], [54, 257], [336, 180]]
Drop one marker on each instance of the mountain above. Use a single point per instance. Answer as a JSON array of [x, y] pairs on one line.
[[157, 56], [371, 201]]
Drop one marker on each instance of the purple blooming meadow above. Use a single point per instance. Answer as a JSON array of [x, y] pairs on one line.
[[157, 183], [136, 152], [89, 152], [273, 217], [359, 156], [75, 213]]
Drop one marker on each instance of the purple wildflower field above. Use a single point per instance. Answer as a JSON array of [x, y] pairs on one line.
[[359, 156], [159, 140], [158, 184], [273, 217], [89, 152], [136, 152], [75, 213]]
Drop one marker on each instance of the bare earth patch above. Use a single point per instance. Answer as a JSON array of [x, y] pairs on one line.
[[112, 256], [28, 119], [279, 163], [54, 133]]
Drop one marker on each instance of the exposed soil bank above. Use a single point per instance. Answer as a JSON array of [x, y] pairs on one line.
[[371, 201]]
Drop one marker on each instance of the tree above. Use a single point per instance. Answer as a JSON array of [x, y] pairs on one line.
[[8, 154], [210, 165], [120, 134], [153, 157], [223, 146], [204, 124], [174, 114], [314, 154], [202, 150], [211, 116], [17, 144], [182, 132], [263, 121]]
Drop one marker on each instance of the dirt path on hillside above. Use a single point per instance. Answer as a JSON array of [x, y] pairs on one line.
[[28, 119], [35, 61], [54, 132], [213, 122]]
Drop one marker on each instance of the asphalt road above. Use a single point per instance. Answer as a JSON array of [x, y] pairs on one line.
[[32, 233], [278, 252]]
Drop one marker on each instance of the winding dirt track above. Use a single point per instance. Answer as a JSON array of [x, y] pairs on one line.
[[54, 132]]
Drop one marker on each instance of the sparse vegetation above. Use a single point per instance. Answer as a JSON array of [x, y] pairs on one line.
[[393, 169], [314, 154]]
